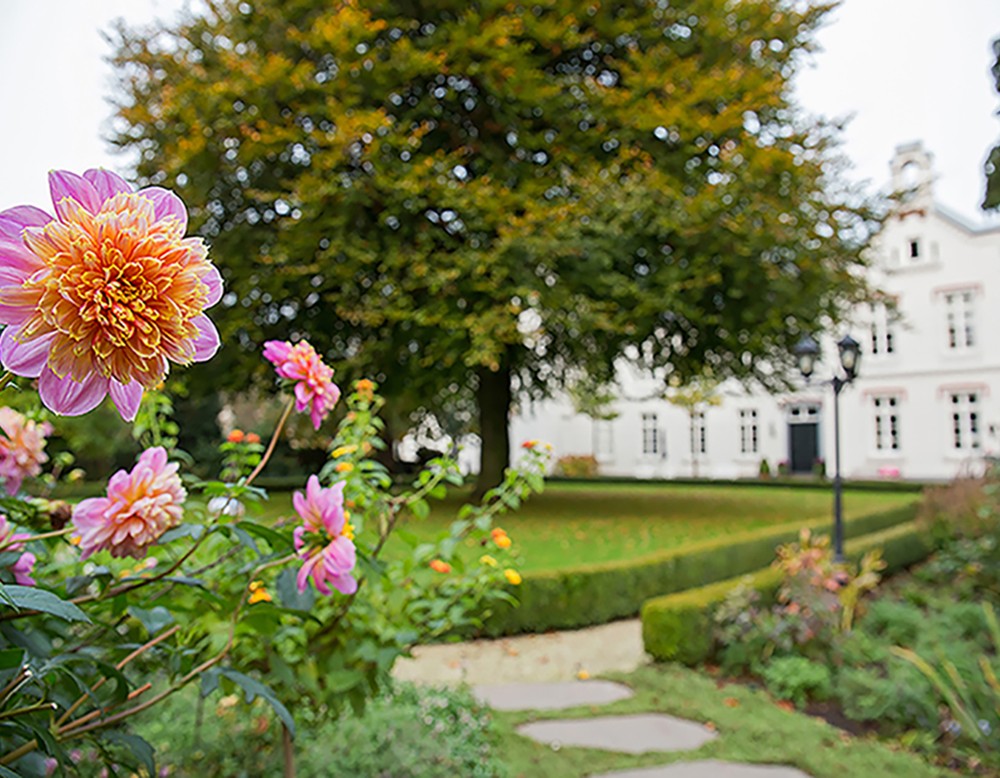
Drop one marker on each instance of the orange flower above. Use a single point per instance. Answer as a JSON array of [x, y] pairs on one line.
[[258, 593], [365, 389], [344, 467], [502, 539], [252, 437], [529, 444], [236, 436], [513, 577], [438, 566]]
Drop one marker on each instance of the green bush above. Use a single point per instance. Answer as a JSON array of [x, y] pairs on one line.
[[598, 593], [897, 623], [408, 732], [797, 679], [677, 627]]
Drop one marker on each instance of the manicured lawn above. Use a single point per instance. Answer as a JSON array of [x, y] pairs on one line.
[[751, 727], [571, 523]]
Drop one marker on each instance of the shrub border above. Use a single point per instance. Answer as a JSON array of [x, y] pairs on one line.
[[678, 627], [587, 595]]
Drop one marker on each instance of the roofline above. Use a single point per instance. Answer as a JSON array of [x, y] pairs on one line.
[[964, 224]]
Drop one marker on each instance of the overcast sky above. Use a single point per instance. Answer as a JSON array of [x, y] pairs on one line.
[[905, 70]]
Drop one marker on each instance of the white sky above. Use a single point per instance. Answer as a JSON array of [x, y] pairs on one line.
[[905, 69]]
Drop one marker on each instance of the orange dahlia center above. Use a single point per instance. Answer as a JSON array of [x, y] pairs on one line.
[[119, 290]]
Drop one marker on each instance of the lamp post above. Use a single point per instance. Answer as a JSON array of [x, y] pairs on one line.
[[806, 351]]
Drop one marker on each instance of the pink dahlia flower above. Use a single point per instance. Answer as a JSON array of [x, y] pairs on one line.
[[11, 541], [141, 505], [314, 386], [21, 448], [101, 298], [325, 541]]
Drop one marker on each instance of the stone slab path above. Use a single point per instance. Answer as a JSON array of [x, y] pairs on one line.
[[635, 734], [709, 768], [551, 696], [555, 656]]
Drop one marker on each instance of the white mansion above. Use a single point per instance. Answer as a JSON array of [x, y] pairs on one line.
[[925, 405]]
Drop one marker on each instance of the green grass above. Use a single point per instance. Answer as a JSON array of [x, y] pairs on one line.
[[751, 727], [571, 524]]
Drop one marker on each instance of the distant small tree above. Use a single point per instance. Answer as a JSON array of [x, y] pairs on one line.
[[992, 198]]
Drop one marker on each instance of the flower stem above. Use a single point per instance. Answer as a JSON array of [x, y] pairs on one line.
[[5, 378], [42, 536], [274, 441]]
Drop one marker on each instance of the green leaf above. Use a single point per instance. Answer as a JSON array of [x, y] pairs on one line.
[[420, 509], [11, 658], [137, 746], [154, 619], [277, 541], [193, 531], [254, 688], [34, 599], [209, 681], [5, 773], [289, 594]]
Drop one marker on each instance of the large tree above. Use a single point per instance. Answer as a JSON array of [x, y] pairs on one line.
[[457, 194]]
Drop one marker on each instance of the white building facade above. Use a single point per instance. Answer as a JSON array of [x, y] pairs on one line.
[[925, 405]]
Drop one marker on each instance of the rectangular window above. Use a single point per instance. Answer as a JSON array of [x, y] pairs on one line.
[[960, 319], [886, 423], [882, 341], [749, 431], [650, 435], [914, 249], [698, 432], [965, 434], [604, 447]]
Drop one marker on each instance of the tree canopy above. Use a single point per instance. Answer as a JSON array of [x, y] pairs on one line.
[[495, 196]]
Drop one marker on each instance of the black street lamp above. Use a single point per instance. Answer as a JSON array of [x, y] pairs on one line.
[[806, 351]]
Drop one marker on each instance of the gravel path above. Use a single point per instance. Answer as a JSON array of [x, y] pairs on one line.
[[556, 656]]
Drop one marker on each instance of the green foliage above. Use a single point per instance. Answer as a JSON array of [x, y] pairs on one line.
[[597, 593], [764, 471], [416, 187], [798, 679], [577, 466], [406, 731], [992, 166], [891, 692]]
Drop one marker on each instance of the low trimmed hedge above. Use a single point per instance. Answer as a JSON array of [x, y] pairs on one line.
[[587, 595], [798, 482], [678, 627]]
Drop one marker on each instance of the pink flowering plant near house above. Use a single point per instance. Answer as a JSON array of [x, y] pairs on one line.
[[163, 580]]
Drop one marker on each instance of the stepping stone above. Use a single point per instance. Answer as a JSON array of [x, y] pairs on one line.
[[709, 768], [628, 734], [551, 696]]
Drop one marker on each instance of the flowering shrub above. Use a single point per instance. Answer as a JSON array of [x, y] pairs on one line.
[[162, 582], [816, 603]]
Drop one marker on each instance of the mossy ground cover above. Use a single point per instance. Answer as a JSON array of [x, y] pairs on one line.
[[752, 727], [571, 524]]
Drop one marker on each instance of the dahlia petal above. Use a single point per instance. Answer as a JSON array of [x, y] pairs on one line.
[[345, 584], [71, 398], [106, 183], [14, 220], [126, 397], [277, 351], [213, 280], [339, 556], [24, 359], [166, 204], [206, 343], [15, 255], [63, 184]]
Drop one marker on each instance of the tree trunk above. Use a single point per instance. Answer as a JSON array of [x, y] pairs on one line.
[[493, 398]]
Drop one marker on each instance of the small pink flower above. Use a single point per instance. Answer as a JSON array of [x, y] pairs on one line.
[[21, 448], [141, 505], [314, 386], [325, 541], [11, 541], [101, 298]]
